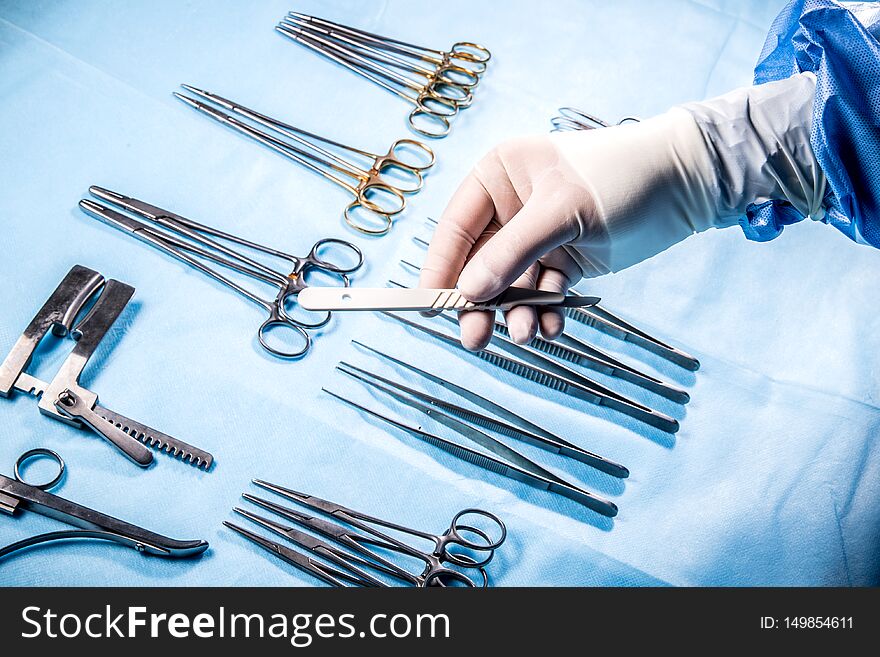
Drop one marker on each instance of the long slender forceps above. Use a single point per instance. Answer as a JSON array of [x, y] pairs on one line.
[[609, 323], [494, 455], [16, 493], [373, 194], [534, 366], [189, 241], [516, 425], [510, 424]]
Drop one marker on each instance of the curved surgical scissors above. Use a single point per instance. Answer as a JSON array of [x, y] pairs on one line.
[[571, 118], [371, 190], [470, 540], [198, 245]]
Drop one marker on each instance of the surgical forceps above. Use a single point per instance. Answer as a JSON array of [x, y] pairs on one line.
[[514, 426], [574, 350], [18, 494], [488, 422], [607, 322], [371, 191], [359, 51], [500, 459], [534, 366], [570, 119], [474, 546], [199, 244]]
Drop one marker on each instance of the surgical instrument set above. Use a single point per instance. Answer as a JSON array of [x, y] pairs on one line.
[[534, 366], [373, 193], [63, 398], [437, 83], [500, 458], [569, 348], [16, 494], [607, 322], [570, 119], [370, 544], [513, 425], [486, 421], [192, 243], [421, 299]]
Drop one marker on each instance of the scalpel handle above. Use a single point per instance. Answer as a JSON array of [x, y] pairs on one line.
[[68, 403], [362, 298]]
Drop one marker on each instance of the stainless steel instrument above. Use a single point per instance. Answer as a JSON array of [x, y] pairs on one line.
[[371, 543], [18, 495], [534, 366], [422, 299], [63, 398]]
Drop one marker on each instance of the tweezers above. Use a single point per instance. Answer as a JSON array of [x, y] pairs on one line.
[[555, 445], [607, 322], [503, 460], [555, 376], [569, 348], [486, 404], [577, 351], [604, 320]]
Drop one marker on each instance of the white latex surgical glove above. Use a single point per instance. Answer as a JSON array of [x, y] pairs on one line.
[[543, 212]]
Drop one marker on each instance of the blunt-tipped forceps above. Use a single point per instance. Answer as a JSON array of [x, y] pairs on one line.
[[534, 366], [569, 348], [510, 424], [17, 494], [199, 244], [607, 322], [497, 457], [488, 422], [570, 119], [463, 545], [373, 194], [448, 82], [604, 320]]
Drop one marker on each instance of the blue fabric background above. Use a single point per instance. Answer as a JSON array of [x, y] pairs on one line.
[[773, 478]]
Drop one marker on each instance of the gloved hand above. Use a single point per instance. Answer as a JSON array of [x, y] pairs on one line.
[[543, 212]]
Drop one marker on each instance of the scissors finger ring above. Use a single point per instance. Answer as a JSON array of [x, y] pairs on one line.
[[282, 323], [385, 221], [34, 453]]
